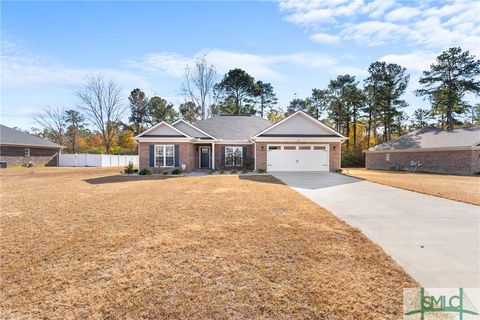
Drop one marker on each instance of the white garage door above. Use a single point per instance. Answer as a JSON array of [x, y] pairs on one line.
[[297, 158]]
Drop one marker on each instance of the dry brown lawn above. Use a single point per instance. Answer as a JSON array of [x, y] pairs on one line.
[[87, 243], [459, 188]]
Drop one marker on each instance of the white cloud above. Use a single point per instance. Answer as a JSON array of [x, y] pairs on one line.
[[402, 14], [325, 38], [374, 33], [264, 67], [22, 68], [416, 61], [437, 25]]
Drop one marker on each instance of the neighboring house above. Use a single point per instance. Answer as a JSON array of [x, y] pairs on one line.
[[297, 143], [430, 150], [19, 148]]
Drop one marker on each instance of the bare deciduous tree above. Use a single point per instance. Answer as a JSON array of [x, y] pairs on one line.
[[198, 84], [53, 120], [103, 106]]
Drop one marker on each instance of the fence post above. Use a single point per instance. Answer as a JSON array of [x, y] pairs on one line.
[[76, 161]]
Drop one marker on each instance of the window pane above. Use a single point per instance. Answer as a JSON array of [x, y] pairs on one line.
[[304, 148], [273, 147], [169, 161], [159, 150], [238, 157], [159, 161], [229, 159], [289, 148], [319, 148], [169, 150]]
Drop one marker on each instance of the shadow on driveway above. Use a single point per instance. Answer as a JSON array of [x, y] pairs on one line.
[[314, 180]]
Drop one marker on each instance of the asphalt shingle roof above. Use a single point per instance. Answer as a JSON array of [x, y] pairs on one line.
[[233, 127], [14, 137], [430, 138]]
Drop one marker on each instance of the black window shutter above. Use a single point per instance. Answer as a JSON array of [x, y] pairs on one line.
[[177, 154], [223, 156], [244, 152], [152, 155]]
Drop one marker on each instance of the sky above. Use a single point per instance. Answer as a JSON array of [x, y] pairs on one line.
[[48, 48]]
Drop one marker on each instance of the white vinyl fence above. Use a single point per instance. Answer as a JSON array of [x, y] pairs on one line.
[[95, 160]]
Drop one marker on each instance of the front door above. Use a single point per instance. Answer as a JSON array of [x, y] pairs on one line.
[[204, 157]]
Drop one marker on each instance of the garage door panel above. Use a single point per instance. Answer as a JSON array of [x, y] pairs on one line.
[[298, 159]]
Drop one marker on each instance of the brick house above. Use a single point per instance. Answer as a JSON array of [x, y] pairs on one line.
[[19, 148], [297, 143], [430, 150]]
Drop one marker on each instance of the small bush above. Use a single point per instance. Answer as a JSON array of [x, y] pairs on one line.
[[129, 169], [351, 159], [244, 171], [176, 171], [222, 172], [339, 170], [165, 173], [28, 165], [209, 171], [261, 170], [135, 171], [145, 172], [233, 172]]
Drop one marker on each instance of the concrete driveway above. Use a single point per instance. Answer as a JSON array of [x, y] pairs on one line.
[[436, 240]]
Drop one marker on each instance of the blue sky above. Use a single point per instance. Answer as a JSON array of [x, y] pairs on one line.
[[49, 47]]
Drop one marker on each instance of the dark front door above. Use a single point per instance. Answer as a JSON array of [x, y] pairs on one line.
[[204, 157]]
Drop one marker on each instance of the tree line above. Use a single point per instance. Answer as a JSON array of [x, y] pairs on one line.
[[368, 112]]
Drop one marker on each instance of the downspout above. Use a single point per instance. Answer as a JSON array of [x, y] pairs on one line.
[[254, 156]]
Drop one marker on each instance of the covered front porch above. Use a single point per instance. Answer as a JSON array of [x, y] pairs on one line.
[[204, 155]]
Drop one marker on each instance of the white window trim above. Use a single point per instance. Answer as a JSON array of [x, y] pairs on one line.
[[241, 152], [26, 152], [164, 155]]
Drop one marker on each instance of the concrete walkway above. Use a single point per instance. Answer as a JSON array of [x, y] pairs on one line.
[[436, 240]]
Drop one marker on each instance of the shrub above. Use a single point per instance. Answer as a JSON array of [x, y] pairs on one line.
[[135, 171], [248, 163], [165, 173], [222, 172], [261, 170], [339, 170], [244, 170], [28, 164], [353, 159], [234, 172], [210, 171], [176, 171], [145, 172], [129, 168]]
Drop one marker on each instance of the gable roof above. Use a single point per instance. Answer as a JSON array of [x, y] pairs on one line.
[[168, 131], [233, 127], [9, 136], [191, 130], [433, 138], [299, 124]]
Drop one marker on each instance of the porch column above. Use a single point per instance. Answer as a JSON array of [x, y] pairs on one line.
[[213, 155]]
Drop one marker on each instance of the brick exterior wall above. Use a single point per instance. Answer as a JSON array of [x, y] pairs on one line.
[[15, 156], [219, 150], [464, 162], [186, 156], [335, 155]]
